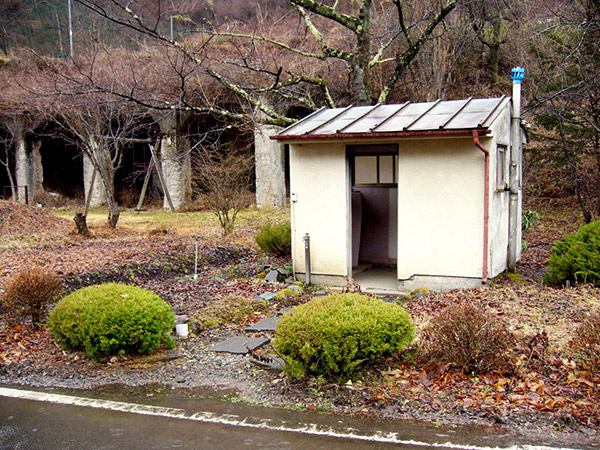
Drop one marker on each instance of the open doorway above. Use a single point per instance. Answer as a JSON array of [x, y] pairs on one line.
[[374, 171]]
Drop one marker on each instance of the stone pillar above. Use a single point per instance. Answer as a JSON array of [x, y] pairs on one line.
[[176, 165], [98, 195], [269, 159], [37, 171], [29, 170], [22, 166], [175, 160]]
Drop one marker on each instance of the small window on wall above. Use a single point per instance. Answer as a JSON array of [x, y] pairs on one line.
[[501, 173], [375, 170]]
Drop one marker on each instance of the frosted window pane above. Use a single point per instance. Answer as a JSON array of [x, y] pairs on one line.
[[365, 169], [386, 169]]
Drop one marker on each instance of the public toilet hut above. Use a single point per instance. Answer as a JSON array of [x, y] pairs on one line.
[[429, 193]]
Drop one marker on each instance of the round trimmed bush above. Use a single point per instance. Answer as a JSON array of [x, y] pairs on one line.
[[112, 318], [577, 257], [339, 335]]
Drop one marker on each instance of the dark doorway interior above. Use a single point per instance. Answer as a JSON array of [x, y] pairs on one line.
[[63, 168], [374, 203]]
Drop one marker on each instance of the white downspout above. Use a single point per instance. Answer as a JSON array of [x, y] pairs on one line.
[[514, 231]]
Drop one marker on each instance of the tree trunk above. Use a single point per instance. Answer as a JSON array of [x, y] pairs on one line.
[[81, 224], [362, 55], [113, 212]]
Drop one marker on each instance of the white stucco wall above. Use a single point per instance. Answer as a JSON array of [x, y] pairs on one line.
[[499, 199], [320, 203], [440, 208]]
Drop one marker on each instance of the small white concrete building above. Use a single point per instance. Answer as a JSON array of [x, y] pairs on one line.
[[419, 194]]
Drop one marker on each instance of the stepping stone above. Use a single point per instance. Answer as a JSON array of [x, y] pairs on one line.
[[239, 345], [273, 276], [268, 295], [282, 311], [266, 324]]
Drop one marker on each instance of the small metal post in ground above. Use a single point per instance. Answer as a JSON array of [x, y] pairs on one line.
[[307, 257], [196, 261]]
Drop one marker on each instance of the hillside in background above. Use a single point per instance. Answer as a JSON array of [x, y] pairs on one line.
[[228, 57], [43, 26]]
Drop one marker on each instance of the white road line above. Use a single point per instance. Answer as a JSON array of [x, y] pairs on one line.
[[234, 420]]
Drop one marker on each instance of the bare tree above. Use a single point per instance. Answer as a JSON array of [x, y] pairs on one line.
[[100, 125], [224, 180], [566, 105], [374, 41]]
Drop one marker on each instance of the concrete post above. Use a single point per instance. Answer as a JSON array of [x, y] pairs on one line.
[[175, 160], [37, 171], [176, 168], [269, 161], [22, 164]]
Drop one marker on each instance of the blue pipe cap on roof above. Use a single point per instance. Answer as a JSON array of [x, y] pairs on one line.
[[517, 74]]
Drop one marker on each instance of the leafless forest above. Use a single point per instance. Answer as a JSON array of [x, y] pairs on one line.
[[73, 71]]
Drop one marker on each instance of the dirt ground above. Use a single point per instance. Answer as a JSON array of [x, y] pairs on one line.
[[549, 392]]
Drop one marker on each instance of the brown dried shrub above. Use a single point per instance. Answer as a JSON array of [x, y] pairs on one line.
[[469, 337], [586, 344], [29, 291]]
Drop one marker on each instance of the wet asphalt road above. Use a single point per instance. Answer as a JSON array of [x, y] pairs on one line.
[[89, 420]]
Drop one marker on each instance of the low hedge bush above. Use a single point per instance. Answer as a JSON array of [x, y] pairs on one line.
[[468, 337], [275, 239], [338, 336], [28, 292], [576, 258], [112, 318]]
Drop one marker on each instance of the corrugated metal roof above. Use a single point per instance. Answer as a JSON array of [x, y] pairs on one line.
[[407, 119]]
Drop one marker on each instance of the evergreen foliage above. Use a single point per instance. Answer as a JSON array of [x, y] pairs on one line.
[[338, 336], [112, 318], [576, 258], [275, 239]]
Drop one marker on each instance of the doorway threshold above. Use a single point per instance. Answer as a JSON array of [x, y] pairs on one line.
[[377, 279]]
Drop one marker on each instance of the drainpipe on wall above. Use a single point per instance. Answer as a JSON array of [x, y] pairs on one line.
[[486, 204], [514, 229]]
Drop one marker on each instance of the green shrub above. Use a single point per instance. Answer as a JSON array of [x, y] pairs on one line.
[[233, 308], [29, 291], [276, 239], [339, 335], [529, 220], [468, 337], [112, 318], [576, 258], [586, 344]]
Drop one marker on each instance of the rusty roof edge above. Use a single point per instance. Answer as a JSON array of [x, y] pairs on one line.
[[379, 135], [304, 119]]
